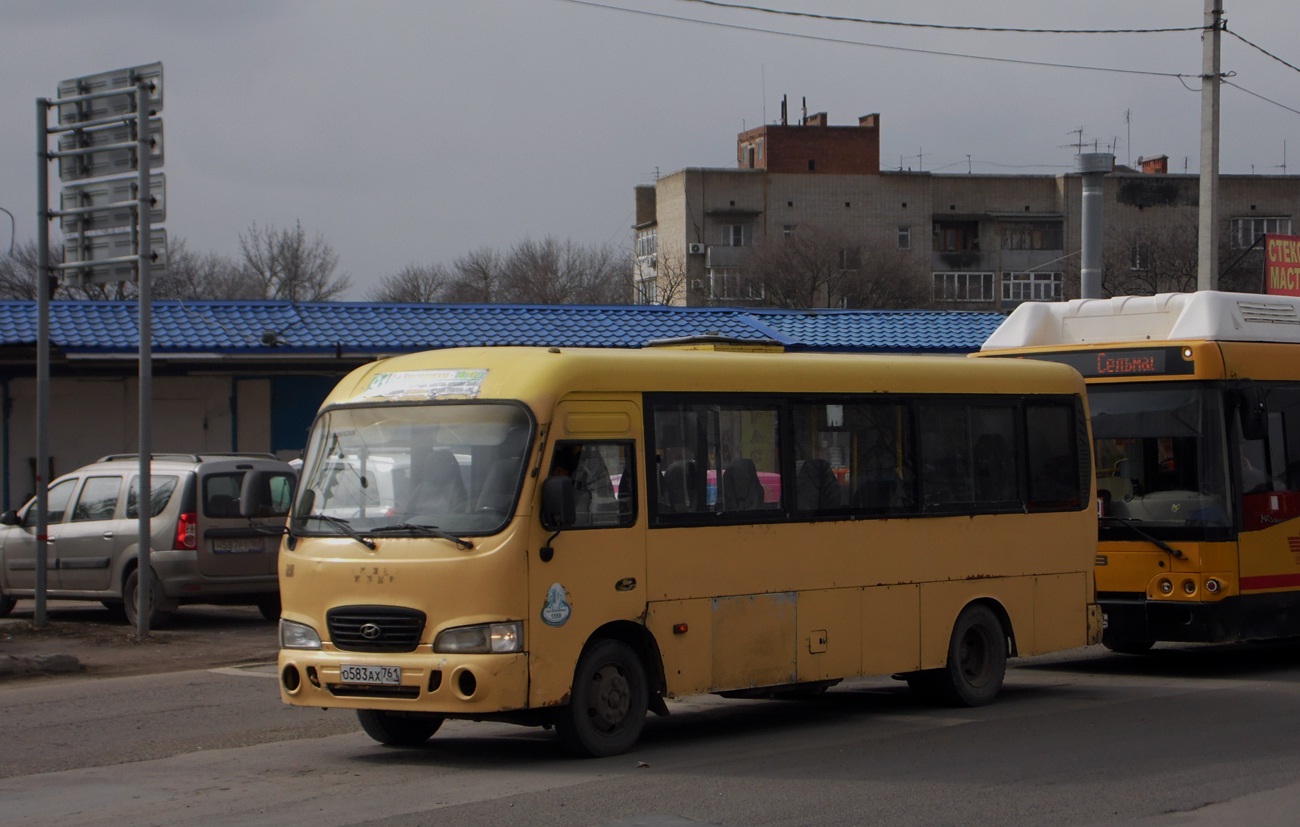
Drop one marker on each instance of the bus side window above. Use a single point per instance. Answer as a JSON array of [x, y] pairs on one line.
[[600, 499]]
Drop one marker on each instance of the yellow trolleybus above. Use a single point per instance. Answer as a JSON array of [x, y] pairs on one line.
[[1195, 401], [567, 537]]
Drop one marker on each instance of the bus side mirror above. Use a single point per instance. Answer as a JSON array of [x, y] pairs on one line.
[[559, 504], [1253, 412], [266, 493]]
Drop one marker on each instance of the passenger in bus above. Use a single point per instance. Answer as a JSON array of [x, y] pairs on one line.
[[817, 487], [437, 484], [741, 488], [679, 488]]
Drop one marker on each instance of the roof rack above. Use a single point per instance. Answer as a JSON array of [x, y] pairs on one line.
[[192, 457]]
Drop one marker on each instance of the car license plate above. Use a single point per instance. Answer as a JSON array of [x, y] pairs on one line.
[[236, 546], [381, 675]]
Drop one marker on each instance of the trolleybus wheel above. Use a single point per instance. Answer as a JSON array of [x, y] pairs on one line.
[[977, 662], [607, 706], [398, 729]]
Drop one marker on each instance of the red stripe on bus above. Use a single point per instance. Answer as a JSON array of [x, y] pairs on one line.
[[1270, 581]]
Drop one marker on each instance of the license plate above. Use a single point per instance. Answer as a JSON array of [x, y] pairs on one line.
[[381, 675], [236, 546]]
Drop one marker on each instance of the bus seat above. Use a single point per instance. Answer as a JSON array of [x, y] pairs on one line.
[[741, 488], [438, 486]]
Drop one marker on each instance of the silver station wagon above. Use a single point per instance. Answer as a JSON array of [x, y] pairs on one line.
[[207, 545]]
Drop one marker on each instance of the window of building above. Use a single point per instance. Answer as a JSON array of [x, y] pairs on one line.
[[956, 236], [963, 287], [647, 289], [1033, 235], [1139, 255], [1033, 287], [737, 235], [1246, 231], [647, 243], [787, 230], [904, 236], [728, 283], [851, 259]]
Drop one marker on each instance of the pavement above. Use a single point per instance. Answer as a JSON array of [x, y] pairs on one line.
[[84, 639]]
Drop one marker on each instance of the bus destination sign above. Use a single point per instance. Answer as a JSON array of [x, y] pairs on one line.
[[1143, 361]]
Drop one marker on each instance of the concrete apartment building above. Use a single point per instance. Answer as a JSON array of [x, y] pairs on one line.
[[970, 241]]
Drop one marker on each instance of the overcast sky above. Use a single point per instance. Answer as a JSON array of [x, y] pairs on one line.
[[415, 132]]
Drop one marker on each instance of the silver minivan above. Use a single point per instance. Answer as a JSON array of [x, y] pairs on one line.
[[207, 547]]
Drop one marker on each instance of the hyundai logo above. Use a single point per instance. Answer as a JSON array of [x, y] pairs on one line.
[[371, 631]]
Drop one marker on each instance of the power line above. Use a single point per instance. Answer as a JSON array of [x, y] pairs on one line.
[[886, 47], [947, 27], [1261, 97], [1260, 49]]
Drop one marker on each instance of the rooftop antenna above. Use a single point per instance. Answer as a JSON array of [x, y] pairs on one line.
[[1283, 167]]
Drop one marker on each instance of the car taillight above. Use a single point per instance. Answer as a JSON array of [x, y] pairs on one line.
[[187, 535]]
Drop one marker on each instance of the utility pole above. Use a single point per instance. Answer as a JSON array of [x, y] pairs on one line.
[[1207, 235]]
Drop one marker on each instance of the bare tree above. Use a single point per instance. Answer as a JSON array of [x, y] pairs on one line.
[[191, 275], [18, 272], [802, 268], [670, 281], [1145, 260], [284, 264], [559, 272], [414, 283], [887, 279], [476, 277]]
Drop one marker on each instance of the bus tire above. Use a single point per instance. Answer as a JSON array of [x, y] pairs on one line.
[[398, 729], [607, 706], [977, 662]]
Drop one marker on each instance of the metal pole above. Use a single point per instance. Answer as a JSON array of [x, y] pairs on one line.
[[145, 496], [1094, 167], [1207, 236], [42, 356]]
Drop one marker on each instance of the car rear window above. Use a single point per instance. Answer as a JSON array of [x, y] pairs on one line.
[[161, 488], [221, 494]]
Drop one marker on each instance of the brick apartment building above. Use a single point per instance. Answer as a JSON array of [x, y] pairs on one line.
[[968, 241]]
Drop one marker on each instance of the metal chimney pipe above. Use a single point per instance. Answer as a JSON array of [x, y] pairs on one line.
[[1093, 166]]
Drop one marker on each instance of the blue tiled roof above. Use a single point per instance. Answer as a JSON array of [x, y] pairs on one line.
[[238, 328]]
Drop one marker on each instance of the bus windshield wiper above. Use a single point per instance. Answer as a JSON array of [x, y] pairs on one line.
[[1150, 538], [418, 530], [344, 525]]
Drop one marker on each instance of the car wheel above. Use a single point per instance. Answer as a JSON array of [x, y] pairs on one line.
[[158, 617]]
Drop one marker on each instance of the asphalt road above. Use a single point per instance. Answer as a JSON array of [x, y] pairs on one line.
[[1193, 736]]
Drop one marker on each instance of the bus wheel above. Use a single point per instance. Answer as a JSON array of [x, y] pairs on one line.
[[1127, 647], [607, 706], [398, 729], [977, 662]]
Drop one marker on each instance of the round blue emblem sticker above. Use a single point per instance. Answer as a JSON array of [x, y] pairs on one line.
[[557, 610]]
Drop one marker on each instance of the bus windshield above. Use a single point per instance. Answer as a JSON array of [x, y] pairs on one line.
[[1161, 460], [394, 468]]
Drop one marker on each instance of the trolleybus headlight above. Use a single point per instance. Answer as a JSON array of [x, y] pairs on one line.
[[486, 638], [1212, 586], [297, 636], [1166, 586]]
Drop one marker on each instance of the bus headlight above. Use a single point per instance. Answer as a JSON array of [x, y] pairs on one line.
[[298, 636], [483, 639]]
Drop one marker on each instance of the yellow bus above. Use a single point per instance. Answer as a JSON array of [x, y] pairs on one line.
[[568, 537], [1195, 401]]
